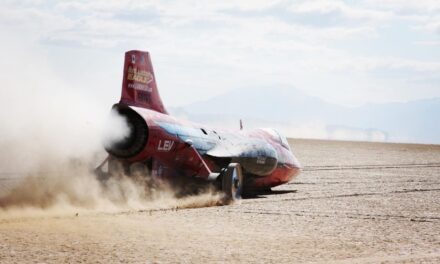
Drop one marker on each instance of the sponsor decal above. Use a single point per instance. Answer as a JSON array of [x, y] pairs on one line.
[[139, 76], [165, 145], [140, 87], [261, 160]]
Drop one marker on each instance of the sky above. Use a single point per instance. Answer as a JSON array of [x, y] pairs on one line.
[[345, 52]]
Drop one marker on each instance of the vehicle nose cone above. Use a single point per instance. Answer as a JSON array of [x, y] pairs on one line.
[[296, 166]]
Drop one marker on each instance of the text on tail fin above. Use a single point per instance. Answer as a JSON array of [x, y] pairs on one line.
[[139, 83]]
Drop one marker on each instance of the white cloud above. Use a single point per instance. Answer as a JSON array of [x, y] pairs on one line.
[[432, 26], [340, 8], [405, 6], [250, 42], [428, 43], [424, 14]]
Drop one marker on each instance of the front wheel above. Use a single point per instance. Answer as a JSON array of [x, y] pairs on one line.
[[232, 182]]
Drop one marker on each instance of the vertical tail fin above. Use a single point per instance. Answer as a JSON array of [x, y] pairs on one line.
[[139, 84]]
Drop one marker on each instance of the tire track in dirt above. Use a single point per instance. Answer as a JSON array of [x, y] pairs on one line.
[[371, 166], [302, 213], [343, 196]]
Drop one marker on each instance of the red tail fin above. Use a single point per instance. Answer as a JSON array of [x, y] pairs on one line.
[[139, 84]]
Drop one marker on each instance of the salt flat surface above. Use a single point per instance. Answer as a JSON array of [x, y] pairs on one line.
[[354, 203]]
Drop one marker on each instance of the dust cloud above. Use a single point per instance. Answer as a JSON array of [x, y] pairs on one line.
[[51, 139], [72, 187]]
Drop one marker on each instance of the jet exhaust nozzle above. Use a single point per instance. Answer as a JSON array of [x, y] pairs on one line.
[[135, 141]]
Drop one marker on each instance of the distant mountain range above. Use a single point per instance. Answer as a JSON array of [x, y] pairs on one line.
[[300, 115]]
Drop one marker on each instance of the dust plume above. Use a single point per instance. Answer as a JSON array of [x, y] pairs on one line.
[[72, 187], [51, 139]]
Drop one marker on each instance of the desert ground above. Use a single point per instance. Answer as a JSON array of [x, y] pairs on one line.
[[354, 202]]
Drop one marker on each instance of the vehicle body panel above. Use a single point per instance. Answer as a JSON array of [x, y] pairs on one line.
[[188, 149]]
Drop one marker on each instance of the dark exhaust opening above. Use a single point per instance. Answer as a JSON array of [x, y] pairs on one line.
[[137, 138]]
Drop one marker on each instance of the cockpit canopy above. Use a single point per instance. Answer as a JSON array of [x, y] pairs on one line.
[[278, 137]]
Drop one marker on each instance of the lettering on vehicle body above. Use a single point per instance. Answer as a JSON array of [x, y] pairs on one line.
[[165, 145], [140, 87], [261, 160], [140, 76]]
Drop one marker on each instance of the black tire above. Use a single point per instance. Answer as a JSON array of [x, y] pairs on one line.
[[232, 182]]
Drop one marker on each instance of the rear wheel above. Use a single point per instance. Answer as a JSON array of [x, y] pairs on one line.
[[232, 182]]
